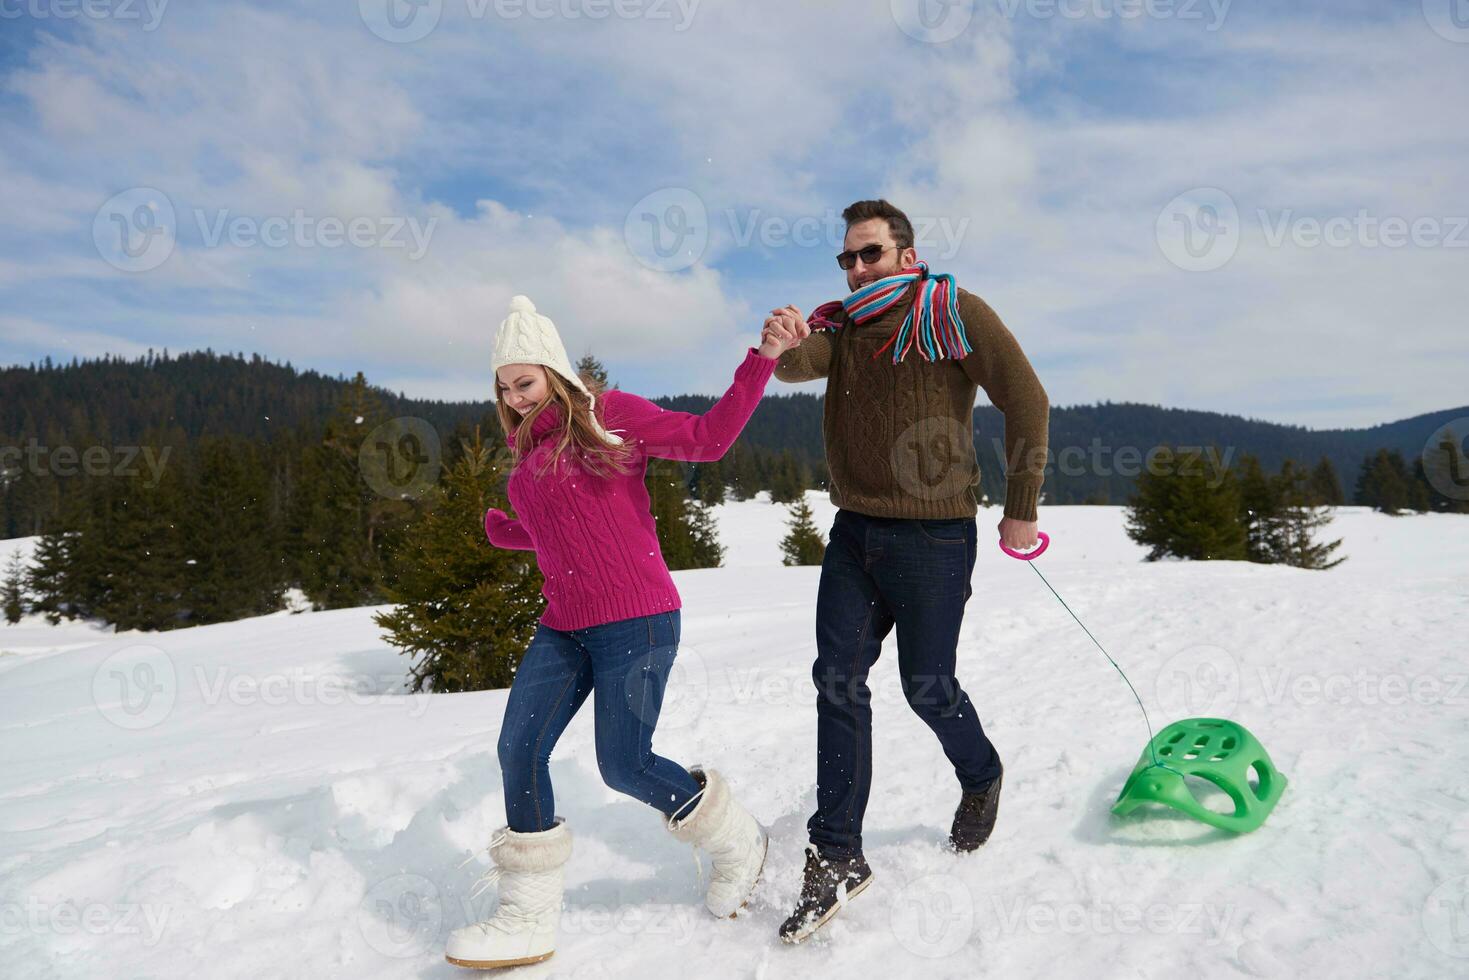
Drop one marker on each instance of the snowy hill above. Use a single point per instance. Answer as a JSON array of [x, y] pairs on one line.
[[260, 799]]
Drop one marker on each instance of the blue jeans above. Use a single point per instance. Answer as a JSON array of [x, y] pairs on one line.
[[879, 573], [626, 663]]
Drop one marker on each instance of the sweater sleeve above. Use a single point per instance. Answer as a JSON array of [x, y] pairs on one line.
[[810, 360], [998, 365], [505, 532], [683, 435]]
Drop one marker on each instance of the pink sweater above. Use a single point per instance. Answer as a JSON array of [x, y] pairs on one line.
[[595, 541]]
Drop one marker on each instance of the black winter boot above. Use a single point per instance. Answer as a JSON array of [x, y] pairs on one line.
[[975, 817], [829, 883]]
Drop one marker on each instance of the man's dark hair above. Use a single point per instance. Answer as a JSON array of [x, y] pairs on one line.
[[898, 223]]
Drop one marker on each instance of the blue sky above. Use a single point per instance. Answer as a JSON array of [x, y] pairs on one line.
[[1138, 187]]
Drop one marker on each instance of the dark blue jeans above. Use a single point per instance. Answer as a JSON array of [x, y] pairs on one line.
[[879, 573], [626, 663]]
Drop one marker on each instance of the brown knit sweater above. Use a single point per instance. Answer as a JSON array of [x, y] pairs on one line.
[[900, 437]]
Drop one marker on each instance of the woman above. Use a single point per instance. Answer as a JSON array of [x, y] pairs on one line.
[[610, 629]]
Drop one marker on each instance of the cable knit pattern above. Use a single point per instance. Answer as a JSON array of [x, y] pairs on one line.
[[899, 437], [594, 538]]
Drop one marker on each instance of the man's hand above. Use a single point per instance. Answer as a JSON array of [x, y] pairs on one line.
[[1018, 535], [784, 328]]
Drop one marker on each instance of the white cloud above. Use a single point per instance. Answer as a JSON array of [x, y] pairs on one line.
[[761, 107]]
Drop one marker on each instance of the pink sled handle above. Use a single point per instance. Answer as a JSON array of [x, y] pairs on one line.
[[1034, 553]]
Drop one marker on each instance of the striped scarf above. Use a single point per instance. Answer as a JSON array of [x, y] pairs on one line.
[[939, 331]]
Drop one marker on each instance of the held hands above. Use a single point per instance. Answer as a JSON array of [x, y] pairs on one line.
[[784, 328]]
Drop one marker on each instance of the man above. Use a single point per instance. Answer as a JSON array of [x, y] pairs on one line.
[[903, 356]]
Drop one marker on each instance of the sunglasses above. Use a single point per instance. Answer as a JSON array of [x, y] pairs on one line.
[[868, 255]]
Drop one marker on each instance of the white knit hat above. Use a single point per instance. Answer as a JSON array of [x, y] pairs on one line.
[[527, 337]]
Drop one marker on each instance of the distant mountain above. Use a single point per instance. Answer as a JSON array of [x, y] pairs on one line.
[[114, 401]]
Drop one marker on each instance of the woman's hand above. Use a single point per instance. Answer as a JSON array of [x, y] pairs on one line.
[[784, 328]]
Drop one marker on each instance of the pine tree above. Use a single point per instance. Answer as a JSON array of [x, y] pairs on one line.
[[741, 472], [707, 552], [1385, 484], [1324, 485], [12, 589], [463, 607], [1180, 510], [709, 486], [686, 533], [1443, 466], [48, 582], [590, 367], [1261, 511], [226, 540], [335, 530], [787, 483], [144, 554], [803, 544], [1300, 519]]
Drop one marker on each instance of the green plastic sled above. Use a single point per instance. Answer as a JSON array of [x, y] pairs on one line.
[[1215, 749]]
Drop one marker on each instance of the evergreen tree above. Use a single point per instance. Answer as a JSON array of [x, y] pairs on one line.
[[339, 526], [1385, 484], [12, 589], [1443, 466], [706, 550], [1261, 512], [225, 536], [741, 472], [709, 486], [1300, 519], [590, 367], [686, 533], [463, 607], [47, 582], [144, 553], [803, 544], [1324, 486], [1187, 508]]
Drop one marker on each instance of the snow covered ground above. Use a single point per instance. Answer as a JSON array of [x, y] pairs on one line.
[[259, 799]]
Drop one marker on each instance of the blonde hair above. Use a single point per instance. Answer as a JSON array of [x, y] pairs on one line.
[[596, 454]]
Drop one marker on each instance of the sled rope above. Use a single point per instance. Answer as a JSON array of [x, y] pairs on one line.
[[1141, 707]]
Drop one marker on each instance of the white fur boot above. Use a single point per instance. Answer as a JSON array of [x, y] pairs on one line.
[[734, 840], [523, 928]]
